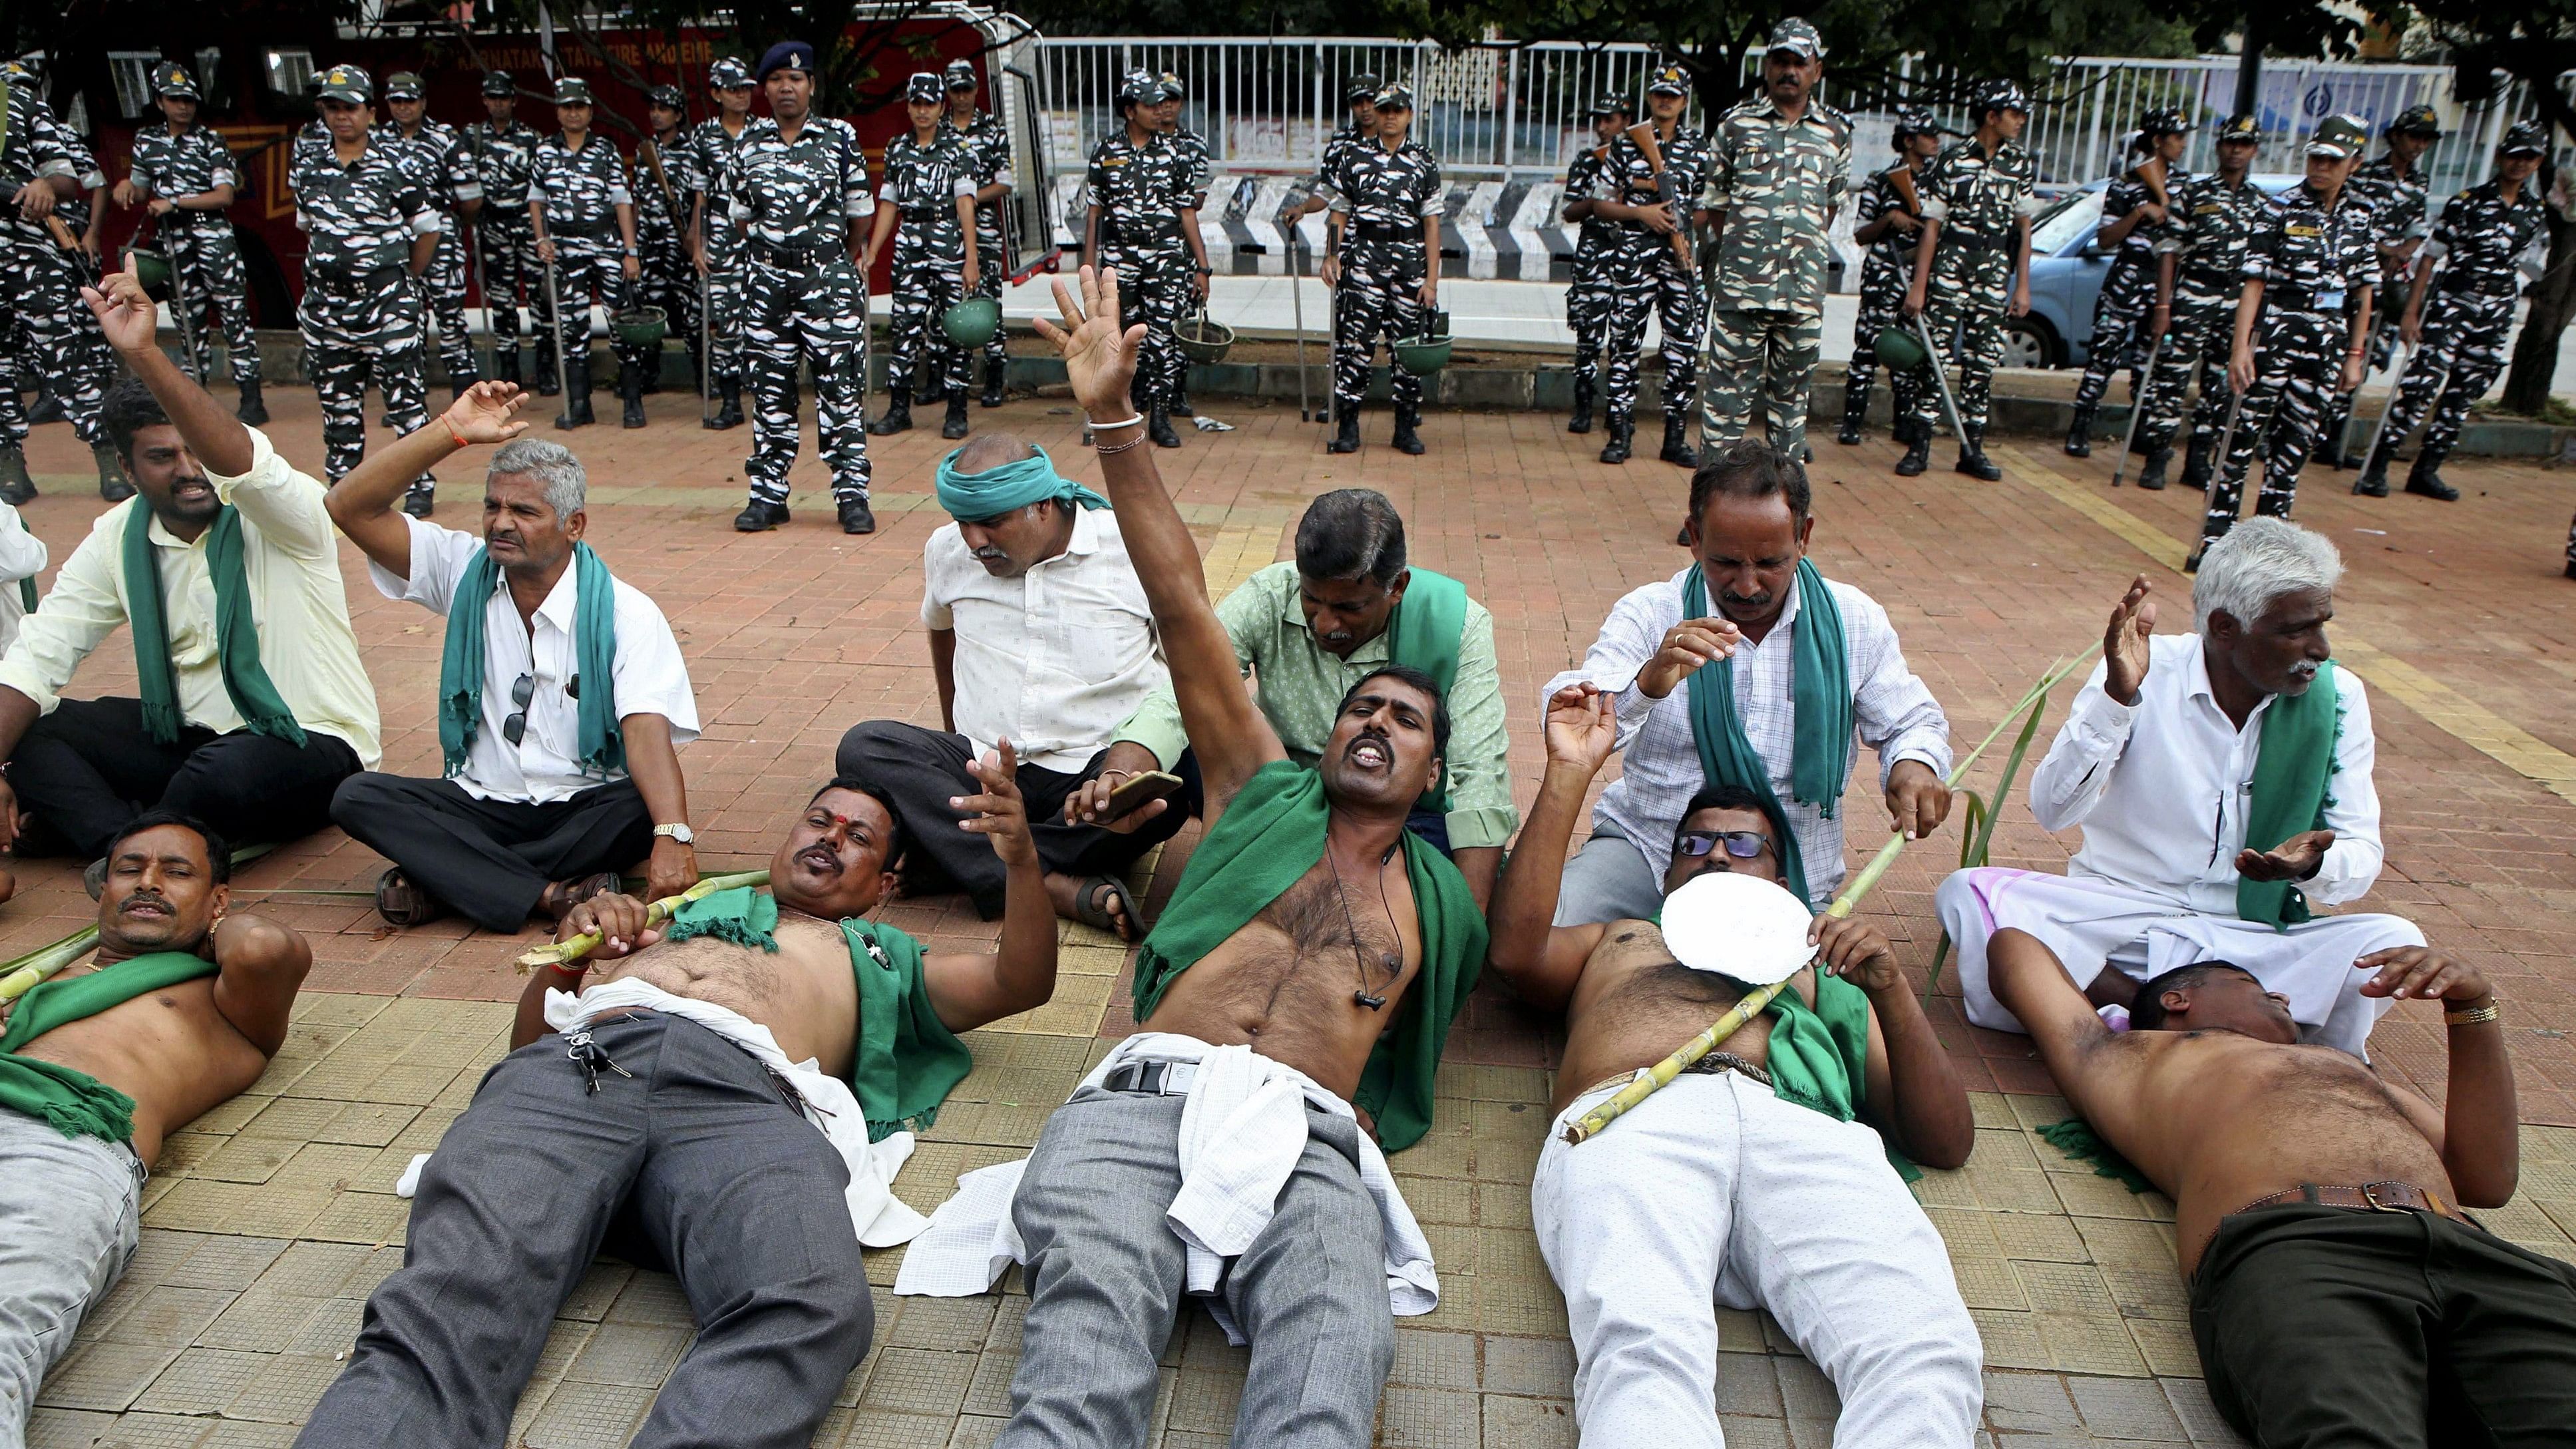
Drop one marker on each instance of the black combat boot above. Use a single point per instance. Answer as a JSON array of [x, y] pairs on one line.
[[728, 406], [1973, 460], [630, 391], [17, 485], [898, 413], [1677, 448], [1407, 419], [954, 425], [113, 485], [759, 516], [1623, 430], [2329, 449], [2079, 437], [505, 365], [421, 497], [1582, 420], [252, 410], [2197, 462], [2373, 482], [1180, 404], [47, 409], [2152, 477], [995, 370], [548, 382], [856, 516], [2424, 480], [1855, 412], [1916, 435], [1158, 426], [576, 394], [1346, 432], [457, 385]]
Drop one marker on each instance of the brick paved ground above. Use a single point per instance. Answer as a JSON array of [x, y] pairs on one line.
[[270, 1219]]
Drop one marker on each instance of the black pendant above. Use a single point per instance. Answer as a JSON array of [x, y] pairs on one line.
[[1373, 1003]]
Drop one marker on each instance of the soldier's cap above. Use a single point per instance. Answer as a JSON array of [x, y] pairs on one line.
[[2415, 121], [31, 65], [785, 55], [348, 83], [667, 97], [727, 72], [2002, 95], [2162, 121], [170, 78], [2339, 137], [2241, 128], [1610, 105], [1667, 80], [1798, 38], [961, 75], [2525, 138], [572, 90], [404, 85], [1395, 97], [923, 85], [498, 83], [1360, 88], [1915, 121], [1168, 87]]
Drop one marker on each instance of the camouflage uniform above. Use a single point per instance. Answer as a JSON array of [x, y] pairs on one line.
[[2213, 222], [502, 157], [1980, 202], [581, 191], [1587, 295], [2316, 266], [2403, 207], [923, 183], [661, 224], [437, 152], [39, 290], [990, 145], [1648, 276], [710, 152], [1885, 269], [2123, 308], [1779, 184], [1384, 197], [200, 244], [1141, 191]]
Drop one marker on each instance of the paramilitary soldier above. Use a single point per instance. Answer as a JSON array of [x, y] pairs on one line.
[[715, 242], [2197, 283], [1199, 167], [1315, 193], [1778, 166], [372, 228], [503, 152], [1889, 222], [1650, 197], [2139, 225], [1972, 269], [798, 190], [183, 174], [2394, 185], [583, 214], [42, 269], [1596, 241], [2458, 342], [926, 202], [2302, 322], [1383, 266], [662, 202], [990, 146], [1139, 220]]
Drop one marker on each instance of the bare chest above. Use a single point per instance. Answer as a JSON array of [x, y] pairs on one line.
[[803, 992]]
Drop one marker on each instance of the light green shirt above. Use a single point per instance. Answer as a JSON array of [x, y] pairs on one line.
[[1300, 685]]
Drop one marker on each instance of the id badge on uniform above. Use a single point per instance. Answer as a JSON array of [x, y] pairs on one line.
[[2330, 301]]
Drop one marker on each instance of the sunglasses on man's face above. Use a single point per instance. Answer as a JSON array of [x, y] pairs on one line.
[[1741, 844]]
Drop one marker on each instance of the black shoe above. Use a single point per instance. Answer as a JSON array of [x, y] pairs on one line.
[[1158, 426], [898, 413], [1855, 413], [2152, 477], [993, 375], [505, 365], [856, 517], [729, 411], [113, 485], [1346, 435], [2424, 480], [48, 409], [955, 424], [1581, 422], [1973, 460], [1407, 440], [422, 497], [631, 392], [759, 516], [457, 387], [1917, 437], [17, 486], [576, 395], [1180, 404], [2373, 482], [1623, 429], [2197, 460], [1677, 448], [549, 383], [2079, 437], [251, 411], [2329, 450]]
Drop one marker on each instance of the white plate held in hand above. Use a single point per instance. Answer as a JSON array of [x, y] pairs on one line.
[[1738, 926]]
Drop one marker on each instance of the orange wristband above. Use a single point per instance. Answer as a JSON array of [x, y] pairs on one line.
[[457, 437]]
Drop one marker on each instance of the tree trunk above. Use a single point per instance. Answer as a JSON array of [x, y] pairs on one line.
[[2552, 303]]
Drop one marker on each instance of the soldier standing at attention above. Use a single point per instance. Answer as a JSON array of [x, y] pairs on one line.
[[1972, 268], [1383, 264], [990, 146], [1359, 93], [1890, 221], [1654, 274], [2196, 285], [2302, 322], [1778, 166], [926, 201], [2394, 187], [41, 166], [1140, 221], [661, 222], [183, 174], [2483, 233], [503, 150], [1197, 169], [2138, 226], [436, 150], [1587, 299], [715, 243], [584, 219], [372, 229], [798, 191]]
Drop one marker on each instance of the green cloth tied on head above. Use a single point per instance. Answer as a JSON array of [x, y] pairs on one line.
[[974, 497], [72, 1102], [1821, 710], [156, 677], [2292, 768], [599, 745]]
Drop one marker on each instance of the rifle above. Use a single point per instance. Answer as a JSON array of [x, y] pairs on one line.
[[1642, 136]]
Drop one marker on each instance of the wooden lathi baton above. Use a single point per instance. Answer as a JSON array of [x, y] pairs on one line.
[[574, 948]]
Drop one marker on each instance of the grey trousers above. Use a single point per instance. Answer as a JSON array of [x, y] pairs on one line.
[[1106, 1275], [739, 1194], [1608, 880], [69, 1221]]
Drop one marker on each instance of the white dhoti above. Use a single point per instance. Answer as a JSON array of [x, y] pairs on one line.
[[1713, 1190], [2091, 924]]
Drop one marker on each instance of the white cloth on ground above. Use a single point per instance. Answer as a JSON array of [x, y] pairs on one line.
[[1714, 1190], [881, 1219], [1242, 1130], [2092, 923]]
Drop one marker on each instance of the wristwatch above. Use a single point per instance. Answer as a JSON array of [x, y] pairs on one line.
[[680, 833]]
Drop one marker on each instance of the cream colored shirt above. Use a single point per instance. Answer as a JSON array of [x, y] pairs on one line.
[[291, 557]]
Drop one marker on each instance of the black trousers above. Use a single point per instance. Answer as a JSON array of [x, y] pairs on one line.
[[490, 860], [91, 766], [2365, 1330], [700, 1152], [920, 769]]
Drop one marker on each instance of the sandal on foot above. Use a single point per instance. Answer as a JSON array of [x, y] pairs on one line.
[[403, 903], [563, 895], [1087, 908]]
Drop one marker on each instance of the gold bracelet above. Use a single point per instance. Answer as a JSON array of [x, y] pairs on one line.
[[2474, 1016]]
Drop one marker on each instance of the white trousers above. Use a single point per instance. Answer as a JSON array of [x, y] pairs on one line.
[[1711, 1191], [2091, 924]]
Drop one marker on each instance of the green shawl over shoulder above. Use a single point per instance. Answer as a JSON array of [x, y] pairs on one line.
[[1425, 634], [1818, 1055], [156, 679], [1821, 705], [1264, 843], [2291, 772], [905, 1060], [75, 1103]]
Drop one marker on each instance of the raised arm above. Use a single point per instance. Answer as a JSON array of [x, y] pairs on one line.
[[1232, 738], [259, 966], [1540, 960], [127, 317], [2076, 773], [970, 990], [363, 503]]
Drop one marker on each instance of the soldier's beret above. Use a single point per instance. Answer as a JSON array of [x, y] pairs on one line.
[[785, 55]]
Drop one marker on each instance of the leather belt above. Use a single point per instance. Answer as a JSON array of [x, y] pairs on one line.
[[2378, 1197], [2306, 299], [1152, 1078], [1973, 243], [778, 256], [922, 213], [1386, 231], [2214, 281], [2477, 284]]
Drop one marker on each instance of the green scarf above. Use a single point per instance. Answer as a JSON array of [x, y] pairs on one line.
[[1425, 634], [974, 497], [1265, 842], [2289, 792], [601, 747], [905, 1060], [1821, 705], [236, 632], [75, 1103]]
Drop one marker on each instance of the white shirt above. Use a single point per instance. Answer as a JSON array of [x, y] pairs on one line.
[[22, 557], [291, 562], [1660, 770], [651, 678], [2161, 787], [1055, 659]]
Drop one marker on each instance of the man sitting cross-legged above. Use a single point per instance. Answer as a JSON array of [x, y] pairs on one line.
[[548, 788], [1309, 964], [1039, 631], [2339, 1297], [675, 1093], [2223, 780], [179, 1010], [1746, 1181]]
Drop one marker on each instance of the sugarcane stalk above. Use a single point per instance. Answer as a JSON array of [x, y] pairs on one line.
[[657, 913], [22, 975]]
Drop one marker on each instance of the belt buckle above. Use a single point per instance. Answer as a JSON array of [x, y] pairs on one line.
[[2370, 1195]]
